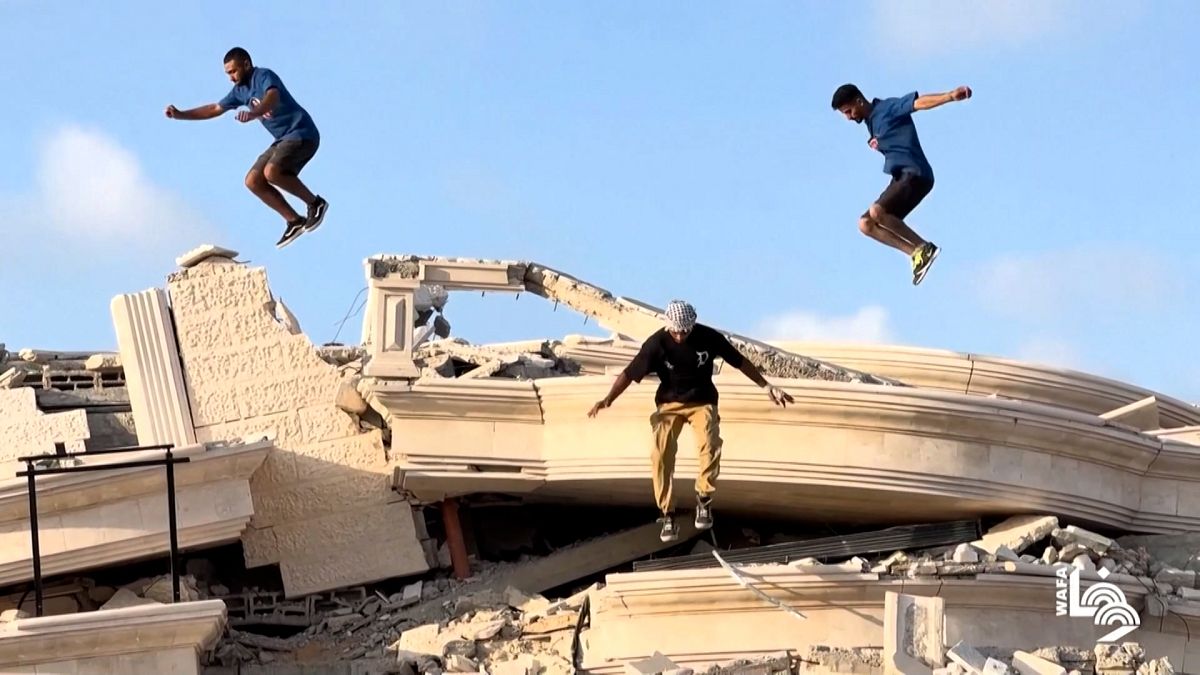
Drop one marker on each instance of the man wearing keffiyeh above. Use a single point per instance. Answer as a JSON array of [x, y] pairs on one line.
[[681, 355]]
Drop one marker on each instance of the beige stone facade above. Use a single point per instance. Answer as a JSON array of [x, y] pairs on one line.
[[324, 509]]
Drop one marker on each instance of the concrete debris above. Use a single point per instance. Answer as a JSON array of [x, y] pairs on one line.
[[103, 362], [1076, 535], [47, 356], [529, 360], [12, 378], [1029, 664], [206, 253], [1017, 533], [965, 553]]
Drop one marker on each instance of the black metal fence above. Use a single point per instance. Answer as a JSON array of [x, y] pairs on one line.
[[32, 471]]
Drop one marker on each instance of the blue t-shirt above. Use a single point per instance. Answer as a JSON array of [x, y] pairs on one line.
[[287, 121], [891, 125]]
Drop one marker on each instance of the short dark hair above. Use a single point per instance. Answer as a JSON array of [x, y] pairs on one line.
[[847, 93], [237, 54]]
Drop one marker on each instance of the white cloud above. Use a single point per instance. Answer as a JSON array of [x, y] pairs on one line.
[[938, 27], [1050, 351], [1089, 284], [90, 190], [867, 325]]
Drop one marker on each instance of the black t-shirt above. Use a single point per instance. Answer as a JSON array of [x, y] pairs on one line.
[[684, 369]]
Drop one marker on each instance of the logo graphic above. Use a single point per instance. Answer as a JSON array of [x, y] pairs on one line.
[[702, 357], [254, 103], [1103, 600]]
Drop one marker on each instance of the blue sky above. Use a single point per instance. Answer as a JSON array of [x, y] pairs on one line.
[[658, 149]]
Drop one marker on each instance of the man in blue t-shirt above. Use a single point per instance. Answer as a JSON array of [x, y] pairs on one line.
[[296, 139], [892, 132]]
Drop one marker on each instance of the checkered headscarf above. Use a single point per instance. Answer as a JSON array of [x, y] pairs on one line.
[[680, 316]]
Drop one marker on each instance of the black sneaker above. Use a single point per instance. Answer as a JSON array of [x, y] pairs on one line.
[[704, 518], [294, 229], [922, 259], [670, 531], [316, 213]]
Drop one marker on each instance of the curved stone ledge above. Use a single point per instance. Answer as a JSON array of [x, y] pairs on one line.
[[701, 617], [986, 375], [92, 519], [852, 452], [81, 641]]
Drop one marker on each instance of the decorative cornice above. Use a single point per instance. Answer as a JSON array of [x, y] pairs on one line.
[[139, 629], [986, 375]]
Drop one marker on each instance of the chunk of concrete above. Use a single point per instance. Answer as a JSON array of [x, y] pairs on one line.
[[205, 252], [1141, 414], [1170, 575], [1028, 664], [995, 667], [1170, 549], [1005, 554], [103, 362], [1050, 555], [1077, 535], [1083, 562], [1017, 533], [12, 378], [966, 656], [965, 553]]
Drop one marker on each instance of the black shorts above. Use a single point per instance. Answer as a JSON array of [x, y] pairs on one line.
[[903, 194], [290, 155]]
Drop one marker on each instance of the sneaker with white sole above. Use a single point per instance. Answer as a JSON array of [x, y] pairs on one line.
[[316, 213], [294, 229], [670, 531]]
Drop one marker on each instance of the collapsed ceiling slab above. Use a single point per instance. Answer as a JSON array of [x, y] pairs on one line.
[[393, 280]]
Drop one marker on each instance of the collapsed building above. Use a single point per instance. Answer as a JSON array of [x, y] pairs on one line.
[[416, 502]]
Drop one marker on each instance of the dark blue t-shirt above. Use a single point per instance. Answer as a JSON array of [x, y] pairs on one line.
[[891, 125], [287, 121]]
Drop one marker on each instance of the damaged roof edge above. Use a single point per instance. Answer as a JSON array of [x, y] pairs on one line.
[[624, 316]]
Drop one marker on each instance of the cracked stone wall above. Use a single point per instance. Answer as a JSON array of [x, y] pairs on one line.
[[323, 507], [25, 430]]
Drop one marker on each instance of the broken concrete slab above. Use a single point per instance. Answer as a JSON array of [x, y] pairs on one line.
[[12, 378], [103, 362], [1142, 414], [913, 633], [1170, 549], [1028, 664], [597, 555], [205, 252], [1017, 533], [1077, 535], [966, 656]]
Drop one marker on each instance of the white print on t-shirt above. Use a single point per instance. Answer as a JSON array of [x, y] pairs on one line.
[[702, 357], [254, 104]]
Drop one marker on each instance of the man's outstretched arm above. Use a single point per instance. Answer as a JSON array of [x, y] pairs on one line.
[[618, 387], [204, 112], [929, 101], [779, 396]]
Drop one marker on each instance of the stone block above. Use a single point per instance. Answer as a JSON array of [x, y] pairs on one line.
[[914, 630], [341, 491], [1017, 533], [966, 656], [349, 548], [1028, 664], [259, 547], [1077, 535], [25, 430], [205, 252], [362, 452], [965, 553]]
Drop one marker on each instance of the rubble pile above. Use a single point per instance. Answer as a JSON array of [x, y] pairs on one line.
[[455, 357], [64, 371], [1103, 659]]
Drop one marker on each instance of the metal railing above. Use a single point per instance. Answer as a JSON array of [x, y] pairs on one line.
[[32, 471]]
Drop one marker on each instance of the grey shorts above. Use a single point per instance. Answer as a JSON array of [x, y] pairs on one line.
[[290, 155]]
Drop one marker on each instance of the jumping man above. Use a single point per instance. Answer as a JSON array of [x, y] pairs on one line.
[[892, 132], [682, 354], [296, 139]]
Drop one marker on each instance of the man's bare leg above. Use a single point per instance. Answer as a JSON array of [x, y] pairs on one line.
[[286, 181], [885, 236], [257, 183], [896, 227]]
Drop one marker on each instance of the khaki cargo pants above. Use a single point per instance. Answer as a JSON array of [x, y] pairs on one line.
[[667, 422]]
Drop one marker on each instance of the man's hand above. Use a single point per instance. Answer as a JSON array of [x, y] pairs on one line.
[[247, 115], [874, 143], [172, 112], [600, 405], [961, 93], [779, 397]]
